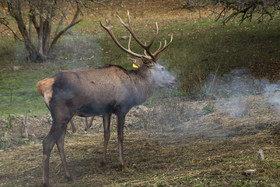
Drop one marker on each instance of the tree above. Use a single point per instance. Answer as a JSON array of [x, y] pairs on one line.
[[246, 9], [243, 9], [38, 17]]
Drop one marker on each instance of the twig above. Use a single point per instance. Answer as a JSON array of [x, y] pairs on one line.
[[63, 17], [4, 22]]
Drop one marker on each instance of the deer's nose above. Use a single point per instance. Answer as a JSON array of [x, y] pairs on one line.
[[173, 83]]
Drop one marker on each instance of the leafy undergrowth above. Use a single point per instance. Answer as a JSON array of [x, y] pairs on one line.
[[164, 146]]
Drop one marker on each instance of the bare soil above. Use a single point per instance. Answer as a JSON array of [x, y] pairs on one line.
[[173, 142]]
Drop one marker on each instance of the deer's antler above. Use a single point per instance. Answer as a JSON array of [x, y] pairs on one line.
[[147, 51]]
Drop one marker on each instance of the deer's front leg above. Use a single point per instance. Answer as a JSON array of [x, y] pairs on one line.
[[121, 119], [106, 125]]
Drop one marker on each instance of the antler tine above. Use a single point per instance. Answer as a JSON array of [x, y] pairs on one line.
[[122, 22], [147, 52], [129, 28], [108, 22], [158, 47], [128, 17], [108, 28], [128, 46], [153, 39], [157, 28], [157, 52]]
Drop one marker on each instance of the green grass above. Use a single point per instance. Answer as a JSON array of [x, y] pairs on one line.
[[199, 48], [20, 96], [222, 49]]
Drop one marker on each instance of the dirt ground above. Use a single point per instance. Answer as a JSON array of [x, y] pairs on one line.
[[171, 142], [178, 145]]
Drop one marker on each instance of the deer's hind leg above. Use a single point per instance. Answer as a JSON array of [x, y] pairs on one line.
[[73, 126], [60, 147], [61, 115], [88, 125]]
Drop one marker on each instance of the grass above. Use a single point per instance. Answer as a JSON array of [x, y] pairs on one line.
[[200, 47], [18, 91]]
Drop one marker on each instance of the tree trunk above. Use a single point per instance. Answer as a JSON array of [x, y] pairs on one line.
[[41, 14], [33, 54]]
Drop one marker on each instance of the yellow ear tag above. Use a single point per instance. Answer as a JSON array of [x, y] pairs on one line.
[[135, 65]]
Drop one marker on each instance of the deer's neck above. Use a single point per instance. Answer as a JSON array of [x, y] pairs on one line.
[[143, 84]]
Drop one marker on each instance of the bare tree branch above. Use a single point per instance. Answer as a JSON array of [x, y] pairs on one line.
[[73, 22], [64, 13], [4, 22], [62, 32], [246, 9], [40, 16]]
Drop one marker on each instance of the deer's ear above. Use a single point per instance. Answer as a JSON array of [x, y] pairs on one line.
[[136, 63]]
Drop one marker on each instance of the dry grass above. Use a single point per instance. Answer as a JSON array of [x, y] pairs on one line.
[[203, 149], [170, 142]]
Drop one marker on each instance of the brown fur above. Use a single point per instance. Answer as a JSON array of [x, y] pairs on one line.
[[44, 88]]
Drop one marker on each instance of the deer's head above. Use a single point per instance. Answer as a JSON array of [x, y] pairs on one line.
[[160, 75]]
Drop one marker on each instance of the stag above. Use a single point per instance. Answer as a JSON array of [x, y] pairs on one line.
[[101, 91]]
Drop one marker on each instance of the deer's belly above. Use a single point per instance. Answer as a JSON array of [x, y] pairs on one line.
[[95, 109]]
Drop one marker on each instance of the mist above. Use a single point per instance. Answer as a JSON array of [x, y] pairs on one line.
[[272, 96], [78, 50], [225, 110], [231, 91]]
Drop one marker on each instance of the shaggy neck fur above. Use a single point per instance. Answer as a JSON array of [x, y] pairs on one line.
[[144, 84]]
